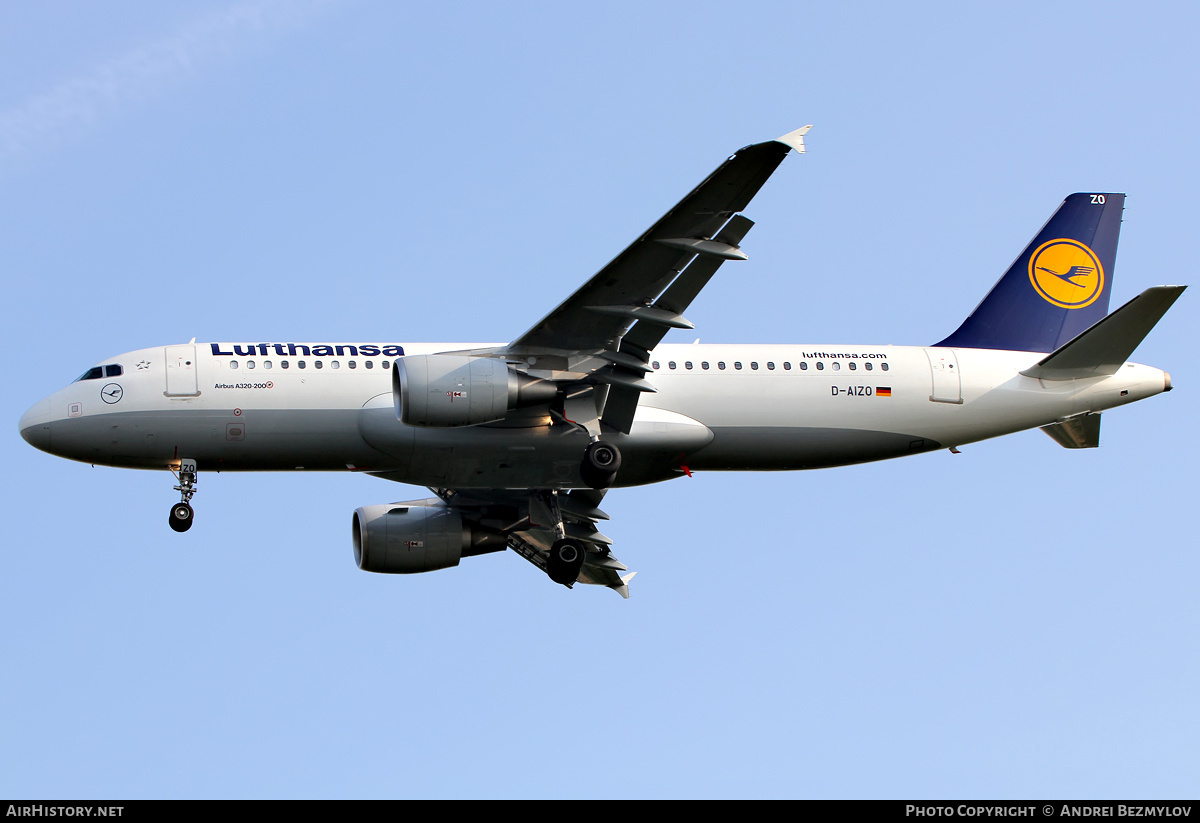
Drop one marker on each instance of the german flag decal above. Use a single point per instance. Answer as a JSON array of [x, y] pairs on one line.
[[883, 391]]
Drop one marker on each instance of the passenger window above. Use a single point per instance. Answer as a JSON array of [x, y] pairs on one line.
[[754, 365], [249, 364], [770, 366], [867, 366], [803, 365], [820, 366], [299, 364], [737, 364], [283, 364], [787, 366], [883, 366], [656, 365], [318, 364], [333, 364], [721, 365], [687, 365], [233, 364], [386, 363], [266, 364], [837, 366], [671, 364], [704, 365], [852, 366], [370, 364], [352, 364], [112, 371]]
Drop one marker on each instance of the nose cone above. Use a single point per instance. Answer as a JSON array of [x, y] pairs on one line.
[[35, 425]]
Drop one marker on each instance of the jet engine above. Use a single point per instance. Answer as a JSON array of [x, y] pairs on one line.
[[417, 536], [453, 390]]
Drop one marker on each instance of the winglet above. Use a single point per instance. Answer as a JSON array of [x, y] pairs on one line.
[[794, 139], [623, 587]]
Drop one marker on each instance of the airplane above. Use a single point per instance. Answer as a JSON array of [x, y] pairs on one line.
[[519, 442]]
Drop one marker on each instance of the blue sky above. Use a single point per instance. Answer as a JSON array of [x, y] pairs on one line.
[[1016, 621]]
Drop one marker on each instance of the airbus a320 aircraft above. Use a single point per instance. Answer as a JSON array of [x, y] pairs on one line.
[[518, 442]]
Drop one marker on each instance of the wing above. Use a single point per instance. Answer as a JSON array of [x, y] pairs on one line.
[[598, 314], [595, 346], [603, 333]]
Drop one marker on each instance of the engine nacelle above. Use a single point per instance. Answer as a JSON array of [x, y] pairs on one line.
[[453, 390], [417, 536]]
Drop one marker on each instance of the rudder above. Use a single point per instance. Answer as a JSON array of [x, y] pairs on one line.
[[1058, 286]]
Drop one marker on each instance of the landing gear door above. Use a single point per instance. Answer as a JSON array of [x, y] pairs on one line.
[[181, 371], [947, 386]]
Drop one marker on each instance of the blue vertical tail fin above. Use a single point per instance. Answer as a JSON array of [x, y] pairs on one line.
[[1057, 287]]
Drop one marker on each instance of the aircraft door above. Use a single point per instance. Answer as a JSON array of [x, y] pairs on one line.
[[947, 385], [181, 371]]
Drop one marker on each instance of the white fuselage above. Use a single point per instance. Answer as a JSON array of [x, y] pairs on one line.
[[270, 407]]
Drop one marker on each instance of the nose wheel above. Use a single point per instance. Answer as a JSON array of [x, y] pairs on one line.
[[182, 513], [181, 517]]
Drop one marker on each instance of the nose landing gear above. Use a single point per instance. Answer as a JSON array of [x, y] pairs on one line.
[[181, 513]]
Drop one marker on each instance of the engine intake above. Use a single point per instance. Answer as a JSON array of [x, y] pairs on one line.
[[417, 536], [452, 390]]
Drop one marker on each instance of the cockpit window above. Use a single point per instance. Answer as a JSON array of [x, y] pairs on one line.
[[96, 372]]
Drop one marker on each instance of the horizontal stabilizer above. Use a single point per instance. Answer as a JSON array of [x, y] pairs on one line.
[[1105, 346], [1079, 432]]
